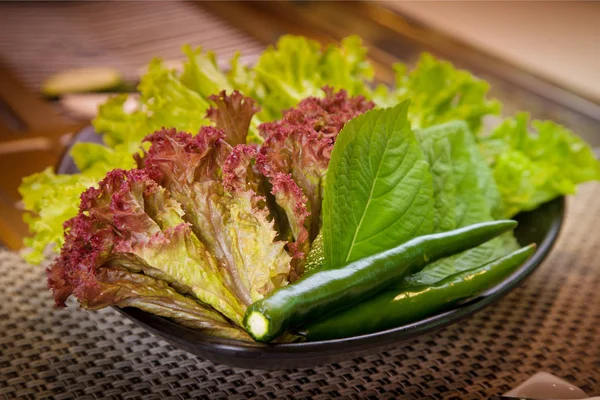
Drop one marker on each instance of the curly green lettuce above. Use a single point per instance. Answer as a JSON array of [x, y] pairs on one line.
[[533, 167], [297, 68], [441, 93]]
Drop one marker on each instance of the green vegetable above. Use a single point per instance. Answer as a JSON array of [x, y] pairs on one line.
[[397, 307], [379, 190], [52, 198], [327, 292], [440, 93], [533, 168], [465, 193], [297, 68], [464, 188]]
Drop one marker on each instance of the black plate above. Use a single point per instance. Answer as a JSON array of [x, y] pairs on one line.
[[540, 226]]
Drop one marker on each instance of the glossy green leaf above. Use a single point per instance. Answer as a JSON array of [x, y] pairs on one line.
[[379, 190]]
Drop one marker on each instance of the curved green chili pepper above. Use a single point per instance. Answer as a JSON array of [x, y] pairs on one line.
[[327, 292], [394, 308]]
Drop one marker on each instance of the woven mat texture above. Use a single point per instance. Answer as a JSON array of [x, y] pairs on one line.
[[550, 323]]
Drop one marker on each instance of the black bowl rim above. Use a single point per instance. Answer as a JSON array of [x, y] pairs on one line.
[[199, 343]]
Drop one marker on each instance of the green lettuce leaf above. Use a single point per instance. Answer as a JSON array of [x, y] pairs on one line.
[[464, 189], [440, 93], [532, 168], [202, 74], [166, 101], [379, 190], [297, 68], [465, 193], [51, 200]]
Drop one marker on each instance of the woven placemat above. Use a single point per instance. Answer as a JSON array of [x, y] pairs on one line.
[[550, 323]]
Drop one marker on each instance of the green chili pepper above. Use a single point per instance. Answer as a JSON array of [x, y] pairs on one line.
[[327, 292], [393, 308]]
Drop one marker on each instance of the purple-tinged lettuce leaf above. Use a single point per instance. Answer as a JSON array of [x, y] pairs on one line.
[[301, 143], [289, 197], [238, 171], [119, 287], [233, 225], [233, 114], [130, 221]]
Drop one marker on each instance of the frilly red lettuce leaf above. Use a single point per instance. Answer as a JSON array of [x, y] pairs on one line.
[[300, 144], [131, 222], [233, 114], [289, 198], [230, 218]]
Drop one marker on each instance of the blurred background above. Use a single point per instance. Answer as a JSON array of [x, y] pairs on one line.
[[539, 56], [556, 40]]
